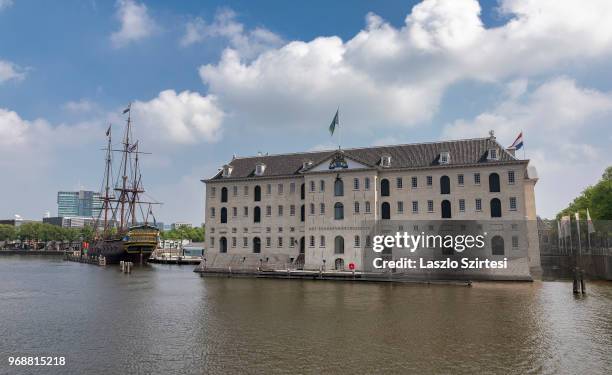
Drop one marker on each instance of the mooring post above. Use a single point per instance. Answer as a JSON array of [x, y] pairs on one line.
[[582, 283], [575, 281]]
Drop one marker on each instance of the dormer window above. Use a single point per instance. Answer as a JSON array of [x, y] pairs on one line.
[[444, 157], [307, 164], [260, 168], [385, 161], [227, 170], [492, 154]]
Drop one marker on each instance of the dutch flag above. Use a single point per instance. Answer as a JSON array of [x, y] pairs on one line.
[[518, 142]]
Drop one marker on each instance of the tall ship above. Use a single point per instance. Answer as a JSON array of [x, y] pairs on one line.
[[123, 227]]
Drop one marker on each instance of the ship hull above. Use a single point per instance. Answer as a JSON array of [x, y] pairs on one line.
[[115, 251]]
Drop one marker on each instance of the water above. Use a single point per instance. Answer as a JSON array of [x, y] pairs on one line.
[[167, 320]]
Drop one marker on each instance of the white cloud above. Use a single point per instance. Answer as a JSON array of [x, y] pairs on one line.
[[562, 124], [391, 76], [136, 24], [10, 71], [187, 117], [247, 43], [5, 4], [81, 106]]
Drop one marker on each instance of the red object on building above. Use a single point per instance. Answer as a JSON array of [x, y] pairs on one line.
[[351, 266]]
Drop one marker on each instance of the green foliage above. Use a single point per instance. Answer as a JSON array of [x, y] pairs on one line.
[[597, 198], [195, 234], [44, 232], [7, 232]]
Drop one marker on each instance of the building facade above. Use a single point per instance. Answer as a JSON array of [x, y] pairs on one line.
[[78, 204], [314, 210]]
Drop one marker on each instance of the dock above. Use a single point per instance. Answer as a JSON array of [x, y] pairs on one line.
[[98, 261], [180, 260]]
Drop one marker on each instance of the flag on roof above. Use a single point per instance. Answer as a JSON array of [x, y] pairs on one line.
[[335, 121], [518, 142]]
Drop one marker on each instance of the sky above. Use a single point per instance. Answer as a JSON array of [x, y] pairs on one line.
[[212, 79]]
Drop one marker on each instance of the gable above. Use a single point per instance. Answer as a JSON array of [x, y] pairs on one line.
[[338, 162]]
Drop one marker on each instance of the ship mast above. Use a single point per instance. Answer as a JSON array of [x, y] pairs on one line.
[[123, 198], [107, 198]]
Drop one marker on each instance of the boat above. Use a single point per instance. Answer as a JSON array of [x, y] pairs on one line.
[[123, 231]]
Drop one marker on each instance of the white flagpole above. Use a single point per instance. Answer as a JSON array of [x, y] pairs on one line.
[[523, 136]]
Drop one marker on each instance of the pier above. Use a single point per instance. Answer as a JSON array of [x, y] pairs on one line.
[[98, 261]]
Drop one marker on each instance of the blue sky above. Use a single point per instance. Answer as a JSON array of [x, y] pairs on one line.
[[210, 79]]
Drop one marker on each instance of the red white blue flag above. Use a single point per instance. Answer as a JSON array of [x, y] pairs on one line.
[[518, 142]]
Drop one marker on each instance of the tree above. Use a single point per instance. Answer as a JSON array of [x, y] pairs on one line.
[[7, 232], [597, 198]]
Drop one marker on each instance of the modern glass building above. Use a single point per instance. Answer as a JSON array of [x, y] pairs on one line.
[[78, 203]]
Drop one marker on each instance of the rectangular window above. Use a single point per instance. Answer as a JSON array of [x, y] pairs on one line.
[[312, 209], [321, 186], [430, 206], [280, 189], [312, 241], [246, 211], [461, 205], [357, 241], [291, 241], [280, 241], [245, 241], [312, 186], [356, 207], [355, 184], [399, 182], [414, 182], [292, 188], [478, 204], [268, 229], [234, 230], [268, 241], [366, 183], [292, 210], [477, 178], [367, 207], [512, 203], [212, 212], [280, 210], [246, 190], [400, 207], [233, 241], [234, 211], [280, 229], [415, 207], [235, 191], [460, 179], [322, 208], [511, 178], [269, 189], [515, 242], [268, 210], [368, 241], [322, 241], [429, 180]]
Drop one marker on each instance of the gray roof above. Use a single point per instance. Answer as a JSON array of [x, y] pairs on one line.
[[418, 155]]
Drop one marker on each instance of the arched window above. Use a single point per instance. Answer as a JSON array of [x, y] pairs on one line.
[[496, 210], [257, 215], [384, 187], [339, 264], [223, 215], [444, 185], [338, 211], [302, 213], [497, 245], [303, 191], [223, 194], [256, 245], [223, 245], [385, 211], [494, 183], [338, 187], [257, 193], [446, 209], [339, 245]]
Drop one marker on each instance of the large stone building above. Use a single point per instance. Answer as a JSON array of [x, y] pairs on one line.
[[313, 210]]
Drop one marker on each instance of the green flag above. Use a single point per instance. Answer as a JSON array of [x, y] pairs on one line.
[[335, 121]]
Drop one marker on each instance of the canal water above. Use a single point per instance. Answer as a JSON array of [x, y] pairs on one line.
[[165, 319]]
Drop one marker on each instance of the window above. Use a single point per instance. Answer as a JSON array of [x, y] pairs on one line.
[[400, 207], [444, 157], [257, 194], [384, 187], [461, 205], [414, 182], [367, 207], [385, 161], [291, 241], [515, 242], [429, 180], [246, 190], [233, 241], [368, 241], [246, 211], [477, 178], [492, 154], [322, 241], [256, 245], [512, 203], [280, 242], [257, 215], [280, 229], [223, 194], [338, 211], [213, 191], [496, 210], [312, 209], [494, 183], [269, 189], [322, 209], [338, 187], [234, 211], [280, 189], [357, 241], [212, 241], [212, 212], [385, 210], [460, 179], [444, 185], [415, 207], [312, 241], [268, 210], [235, 191], [280, 210], [268, 241], [430, 206], [292, 188], [399, 182], [478, 204], [356, 207], [366, 183], [302, 213], [312, 186], [260, 169], [245, 241], [222, 245], [321, 186], [511, 178], [355, 184], [497, 245], [223, 215], [292, 210], [445, 207], [338, 245]]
